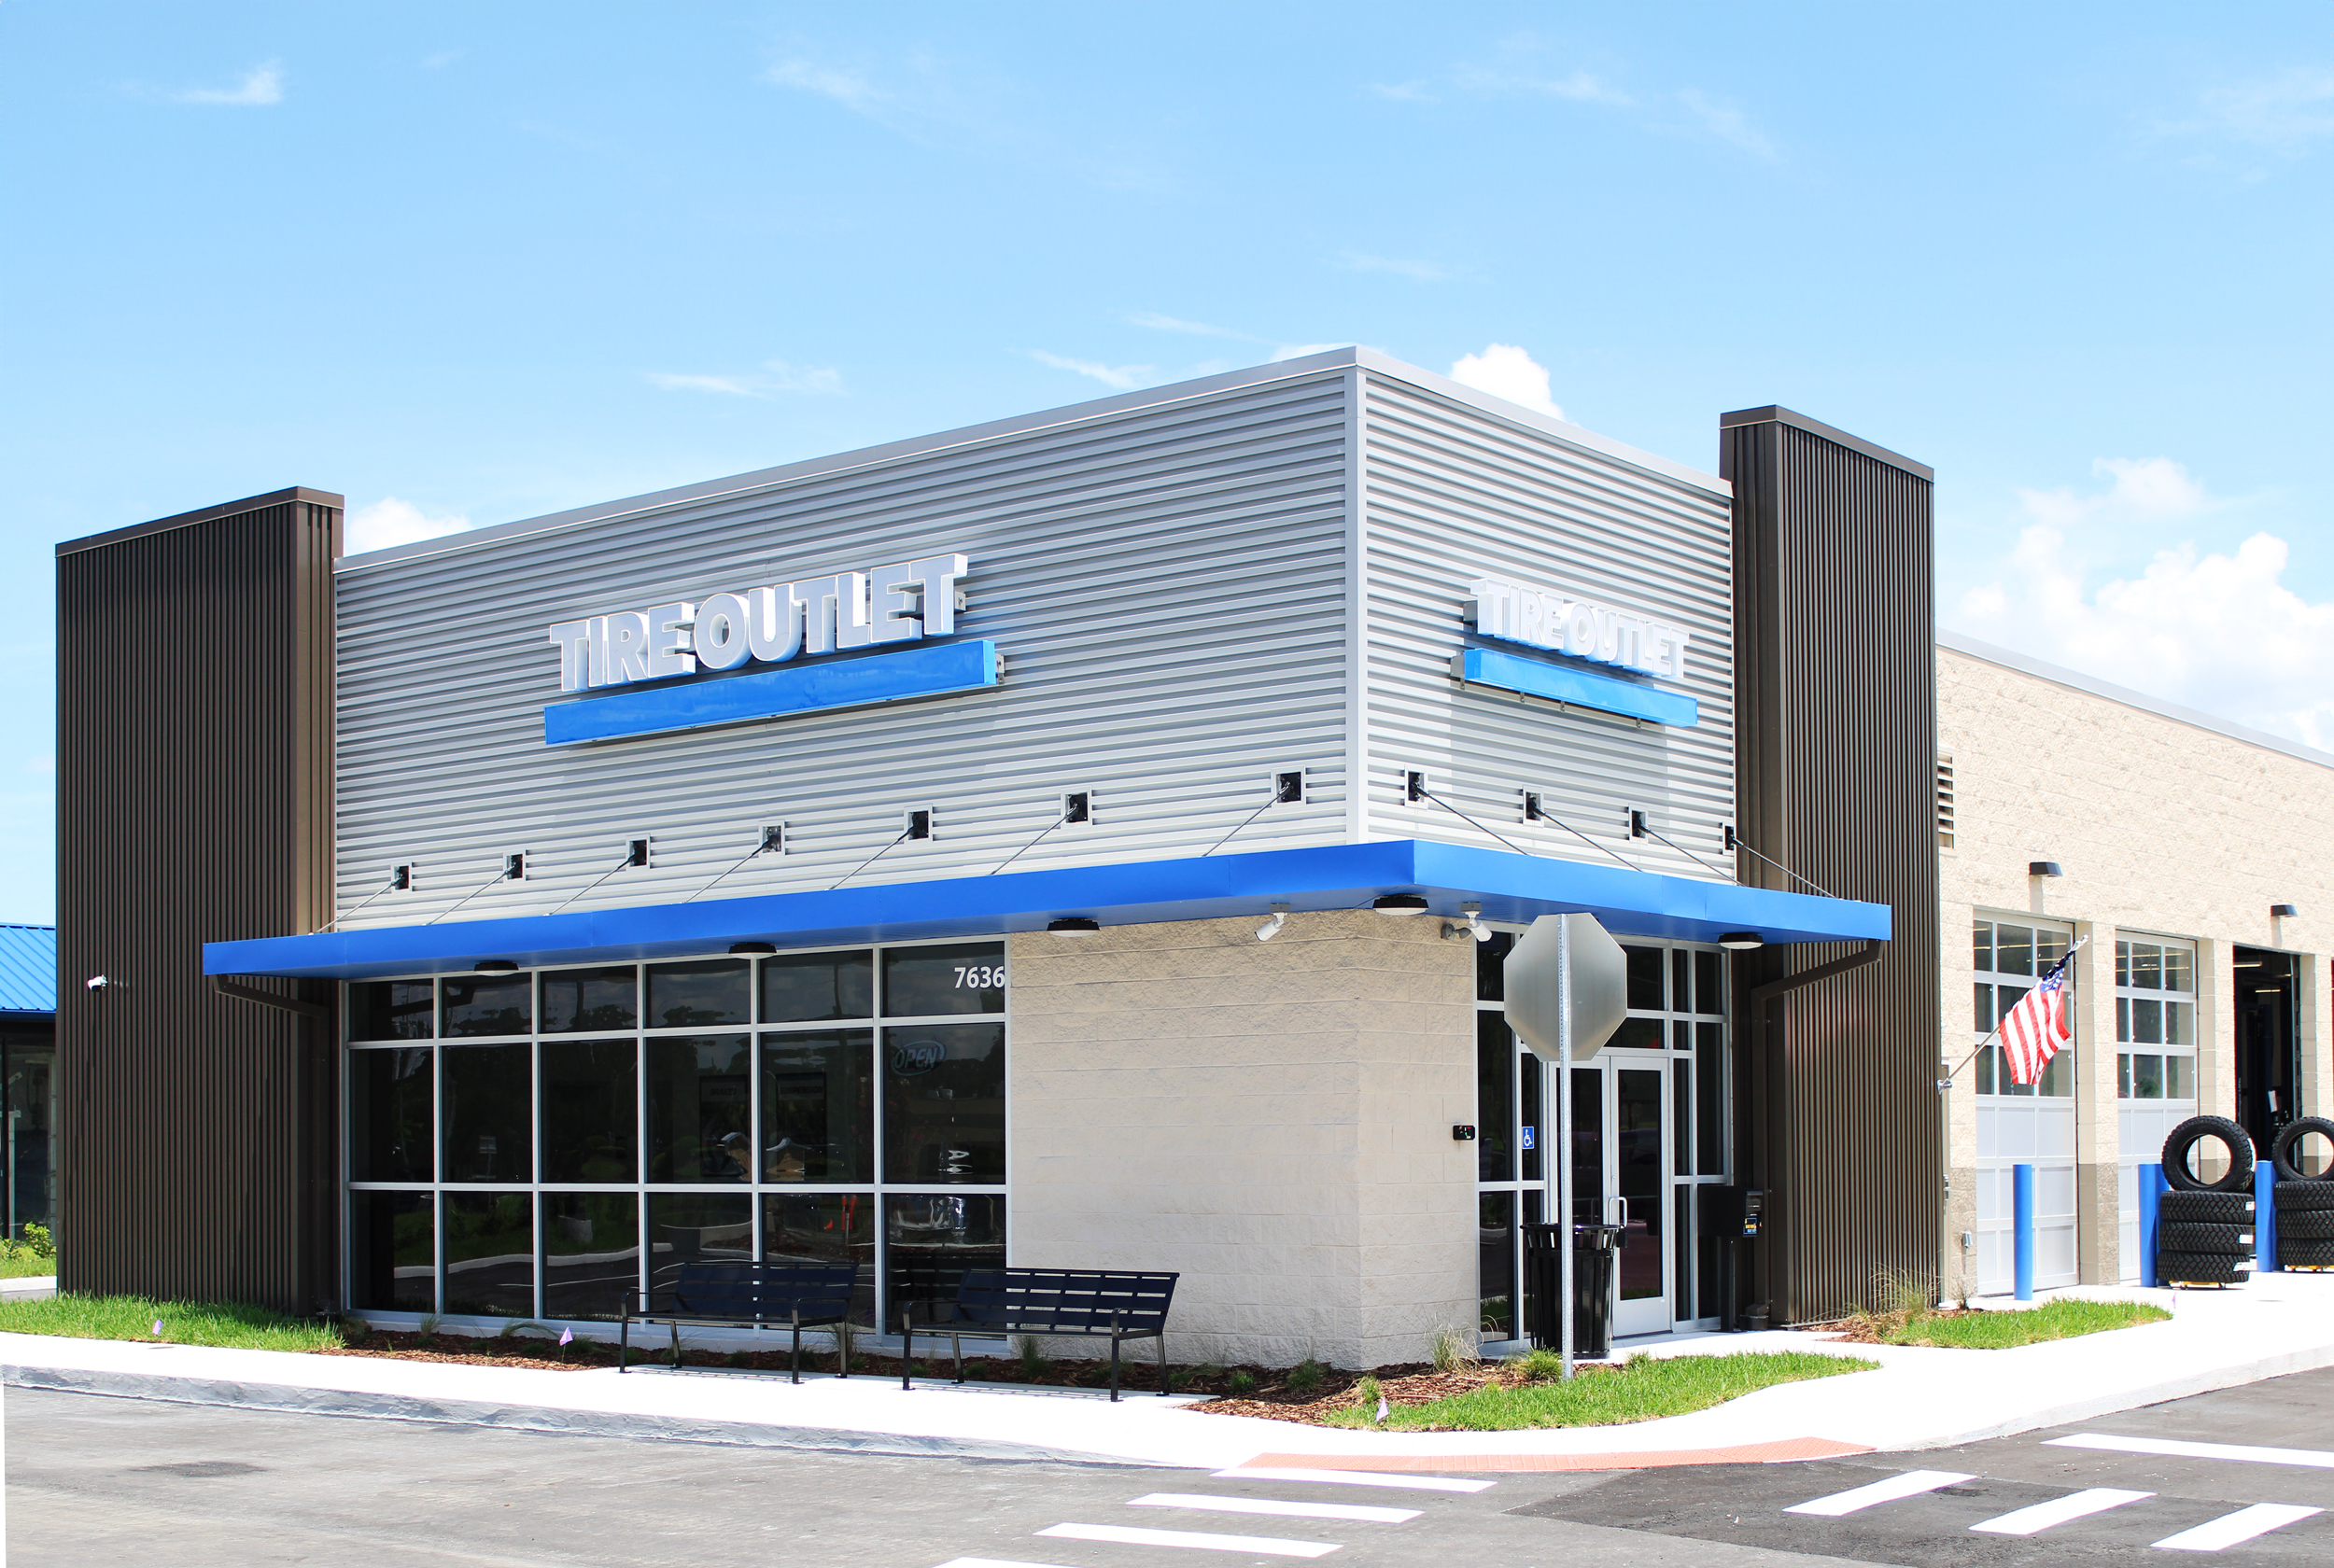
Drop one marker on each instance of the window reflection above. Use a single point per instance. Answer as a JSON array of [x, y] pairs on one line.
[[706, 991], [490, 1254], [488, 1116], [818, 1107], [922, 982], [591, 1254], [489, 1004], [944, 1103], [590, 1000], [810, 987], [700, 1108]]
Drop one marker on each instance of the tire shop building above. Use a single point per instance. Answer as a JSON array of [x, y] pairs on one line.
[[1063, 841], [2184, 853]]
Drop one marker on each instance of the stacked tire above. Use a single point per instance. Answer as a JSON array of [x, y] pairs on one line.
[[2305, 1203], [2204, 1229]]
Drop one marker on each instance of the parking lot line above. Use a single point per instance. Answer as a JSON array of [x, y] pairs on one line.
[[2041, 1516], [1274, 1506], [1912, 1483], [2315, 1459], [2232, 1530], [1259, 1545], [1356, 1478]]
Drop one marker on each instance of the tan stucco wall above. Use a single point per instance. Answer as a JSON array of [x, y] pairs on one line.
[[2162, 827], [1272, 1119]]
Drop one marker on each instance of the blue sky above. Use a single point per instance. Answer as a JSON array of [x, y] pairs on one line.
[[469, 263]]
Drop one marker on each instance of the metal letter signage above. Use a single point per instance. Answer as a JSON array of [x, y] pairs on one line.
[[901, 603], [1514, 613]]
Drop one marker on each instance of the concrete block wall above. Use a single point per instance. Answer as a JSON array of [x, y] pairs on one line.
[[2164, 826], [1272, 1119]]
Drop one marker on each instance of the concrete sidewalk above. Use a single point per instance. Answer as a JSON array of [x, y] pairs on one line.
[[1919, 1398]]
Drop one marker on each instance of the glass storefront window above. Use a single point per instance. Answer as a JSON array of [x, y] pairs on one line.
[[2156, 1007], [818, 1107], [944, 1103], [700, 1108], [390, 1113], [490, 1254], [591, 1110], [487, 1116], [591, 1254], [929, 982], [392, 1010], [931, 1240], [577, 1126]]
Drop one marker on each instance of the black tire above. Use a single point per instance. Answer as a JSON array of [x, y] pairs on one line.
[[2306, 1225], [2198, 1268], [2213, 1240], [2282, 1150], [2188, 1134], [2293, 1198], [2304, 1255], [2204, 1208]]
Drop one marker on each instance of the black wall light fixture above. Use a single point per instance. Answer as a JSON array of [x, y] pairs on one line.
[[495, 966], [1398, 903], [1073, 925], [2284, 912], [752, 949], [1743, 942], [2044, 868]]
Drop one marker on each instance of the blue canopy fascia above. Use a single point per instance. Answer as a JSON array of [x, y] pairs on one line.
[[1512, 888]]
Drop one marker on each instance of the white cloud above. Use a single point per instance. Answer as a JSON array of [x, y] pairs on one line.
[[2285, 110], [2145, 490], [390, 522], [1505, 370], [441, 59], [1124, 377], [2214, 630], [1402, 92], [852, 90], [40, 765], [1417, 272], [1579, 87], [261, 86], [775, 376], [1159, 323]]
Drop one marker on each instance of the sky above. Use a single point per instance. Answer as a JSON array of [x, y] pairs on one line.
[[471, 263]]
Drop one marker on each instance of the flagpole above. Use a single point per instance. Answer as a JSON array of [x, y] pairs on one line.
[[2046, 975]]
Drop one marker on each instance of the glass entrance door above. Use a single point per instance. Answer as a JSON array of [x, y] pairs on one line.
[[1621, 1165]]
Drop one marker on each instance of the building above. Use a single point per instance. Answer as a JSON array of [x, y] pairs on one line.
[[1064, 840], [2181, 852], [28, 1065]]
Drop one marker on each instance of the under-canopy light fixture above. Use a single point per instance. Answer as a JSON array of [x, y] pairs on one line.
[[1472, 927], [752, 949], [2267, 991], [2044, 868], [1271, 927], [1398, 903], [1073, 925], [495, 966], [1743, 942], [2282, 912]]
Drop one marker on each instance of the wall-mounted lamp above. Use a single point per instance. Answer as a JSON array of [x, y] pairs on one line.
[[1073, 925], [752, 949], [494, 966], [1398, 903], [2044, 868], [1271, 927], [1472, 927], [1743, 942], [2284, 912]]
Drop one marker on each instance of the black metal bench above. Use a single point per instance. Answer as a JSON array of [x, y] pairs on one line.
[[799, 1296], [1075, 1303]]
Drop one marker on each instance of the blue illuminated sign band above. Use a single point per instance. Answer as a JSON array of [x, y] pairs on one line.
[[926, 670], [1536, 678]]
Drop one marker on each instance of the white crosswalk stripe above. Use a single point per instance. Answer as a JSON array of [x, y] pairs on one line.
[[996, 1562], [1260, 1545], [1912, 1483], [1358, 1478], [2041, 1516], [2315, 1459], [1273, 1506], [2235, 1529]]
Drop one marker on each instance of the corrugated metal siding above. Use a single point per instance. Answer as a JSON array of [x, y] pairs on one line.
[[1453, 493], [194, 768], [28, 968], [1166, 584], [1837, 671]]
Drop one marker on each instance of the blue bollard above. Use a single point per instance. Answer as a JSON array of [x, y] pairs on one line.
[[2265, 1218], [2022, 1226], [2151, 1180]]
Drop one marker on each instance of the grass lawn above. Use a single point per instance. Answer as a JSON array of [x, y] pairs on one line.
[[132, 1317], [2028, 1326], [26, 1268], [1642, 1390]]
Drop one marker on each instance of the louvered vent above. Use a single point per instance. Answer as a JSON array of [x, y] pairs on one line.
[[1945, 803]]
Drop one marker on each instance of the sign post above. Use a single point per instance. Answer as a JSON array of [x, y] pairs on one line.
[[1567, 988]]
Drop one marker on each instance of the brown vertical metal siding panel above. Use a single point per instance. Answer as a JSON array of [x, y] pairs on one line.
[[1835, 658], [199, 1151]]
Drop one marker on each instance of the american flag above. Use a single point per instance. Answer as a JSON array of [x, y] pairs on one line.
[[2034, 1030]]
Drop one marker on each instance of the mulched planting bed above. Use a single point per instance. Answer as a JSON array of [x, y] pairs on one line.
[[1414, 1384]]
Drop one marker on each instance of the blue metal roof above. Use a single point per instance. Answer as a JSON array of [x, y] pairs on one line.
[[28, 968], [1512, 888]]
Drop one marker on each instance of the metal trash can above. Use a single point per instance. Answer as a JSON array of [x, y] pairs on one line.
[[1592, 1249]]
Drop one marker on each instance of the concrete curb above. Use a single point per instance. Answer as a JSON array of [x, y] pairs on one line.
[[519, 1418]]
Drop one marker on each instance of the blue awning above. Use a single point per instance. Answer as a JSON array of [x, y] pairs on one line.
[[1511, 887]]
